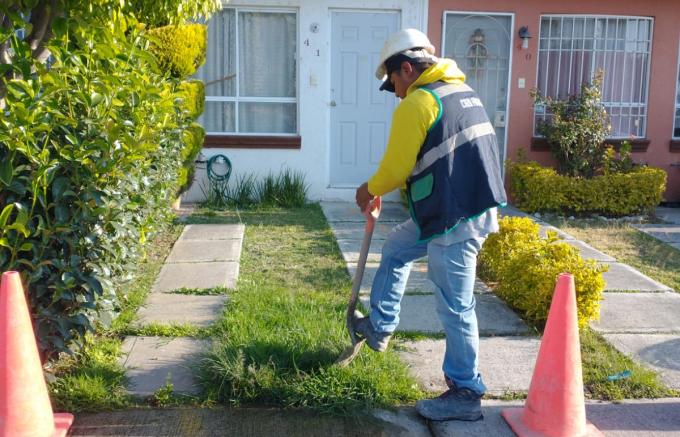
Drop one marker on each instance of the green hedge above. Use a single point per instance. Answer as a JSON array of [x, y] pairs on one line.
[[192, 139], [192, 98], [524, 267], [90, 151], [179, 49], [537, 188]]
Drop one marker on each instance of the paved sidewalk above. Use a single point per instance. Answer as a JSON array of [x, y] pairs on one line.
[[635, 418], [639, 316], [203, 257]]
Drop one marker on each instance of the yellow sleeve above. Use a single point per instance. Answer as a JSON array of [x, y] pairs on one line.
[[410, 122]]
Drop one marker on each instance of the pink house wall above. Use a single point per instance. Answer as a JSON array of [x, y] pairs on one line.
[[664, 67]]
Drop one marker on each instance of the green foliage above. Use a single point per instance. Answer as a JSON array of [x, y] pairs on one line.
[[623, 163], [537, 188], [180, 49], [577, 129], [90, 150], [525, 267], [284, 326], [288, 189], [163, 12], [192, 138], [192, 94]]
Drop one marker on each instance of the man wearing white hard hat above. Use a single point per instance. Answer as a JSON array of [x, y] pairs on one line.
[[443, 148]]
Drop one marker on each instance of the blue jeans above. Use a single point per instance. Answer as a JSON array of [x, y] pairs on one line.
[[452, 270]]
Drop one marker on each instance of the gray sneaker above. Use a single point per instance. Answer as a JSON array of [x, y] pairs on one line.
[[377, 341], [453, 404]]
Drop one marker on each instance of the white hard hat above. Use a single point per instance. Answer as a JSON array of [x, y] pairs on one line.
[[401, 41]]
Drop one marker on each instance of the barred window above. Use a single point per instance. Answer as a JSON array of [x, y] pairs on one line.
[[676, 125], [572, 48]]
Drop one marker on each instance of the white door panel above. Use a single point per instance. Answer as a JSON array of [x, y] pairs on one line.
[[360, 113]]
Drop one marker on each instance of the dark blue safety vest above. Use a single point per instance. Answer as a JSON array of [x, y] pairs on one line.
[[457, 175]]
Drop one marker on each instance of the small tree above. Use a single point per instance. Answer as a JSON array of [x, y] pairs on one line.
[[577, 129]]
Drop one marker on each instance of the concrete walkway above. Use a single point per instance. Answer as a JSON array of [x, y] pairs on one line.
[[638, 314], [203, 257]]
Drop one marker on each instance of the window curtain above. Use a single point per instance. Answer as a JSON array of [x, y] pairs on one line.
[[267, 68], [219, 72]]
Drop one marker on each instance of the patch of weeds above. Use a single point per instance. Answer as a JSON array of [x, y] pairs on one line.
[[92, 380], [508, 395], [215, 291], [284, 327], [418, 335], [171, 330], [600, 360]]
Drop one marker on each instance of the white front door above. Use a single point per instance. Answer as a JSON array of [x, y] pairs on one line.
[[360, 113]]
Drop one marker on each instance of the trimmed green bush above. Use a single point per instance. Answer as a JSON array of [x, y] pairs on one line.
[[179, 49], [90, 151], [192, 139], [541, 189], [524, 268], [192, 99]]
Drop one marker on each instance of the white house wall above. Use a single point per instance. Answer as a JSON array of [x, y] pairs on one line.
[[314, 96]]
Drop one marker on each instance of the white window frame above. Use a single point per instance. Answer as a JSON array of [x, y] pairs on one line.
[[236, 99], [606, 104], [675, 98]]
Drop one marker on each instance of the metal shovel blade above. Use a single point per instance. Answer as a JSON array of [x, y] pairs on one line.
[[348, 355]]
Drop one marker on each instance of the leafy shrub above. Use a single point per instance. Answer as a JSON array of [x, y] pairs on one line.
[[163, 12], [192, 100], [90, 149], [288, 189], [537, 188], [192, 138], [525, 266], [180, 49], [576, 129]]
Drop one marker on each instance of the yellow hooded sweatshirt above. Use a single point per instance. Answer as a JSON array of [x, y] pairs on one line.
[[411, 121]]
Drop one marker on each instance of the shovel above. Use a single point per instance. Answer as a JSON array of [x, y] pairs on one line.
[[371, 213]]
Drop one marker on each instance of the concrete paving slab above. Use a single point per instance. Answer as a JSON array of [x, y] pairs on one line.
[[639, 313], [418, 281], [589, 252], [622, 277], [418, 314], [212, 232], [167, 308], [196, 275], [676, 245], [220, 421], [506, 363], [349, 212], [150, 361], [511, 211], [355, 230], [628, 418], [670, 215], [350, 250], [205, 251], [661, 352], [665, 233]]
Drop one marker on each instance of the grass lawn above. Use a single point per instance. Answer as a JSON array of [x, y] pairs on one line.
[[650, 256], [653, 258], [284, 325], [93, 380]]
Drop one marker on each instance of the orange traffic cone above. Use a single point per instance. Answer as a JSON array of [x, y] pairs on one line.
[[25, 409], [555, 406]]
